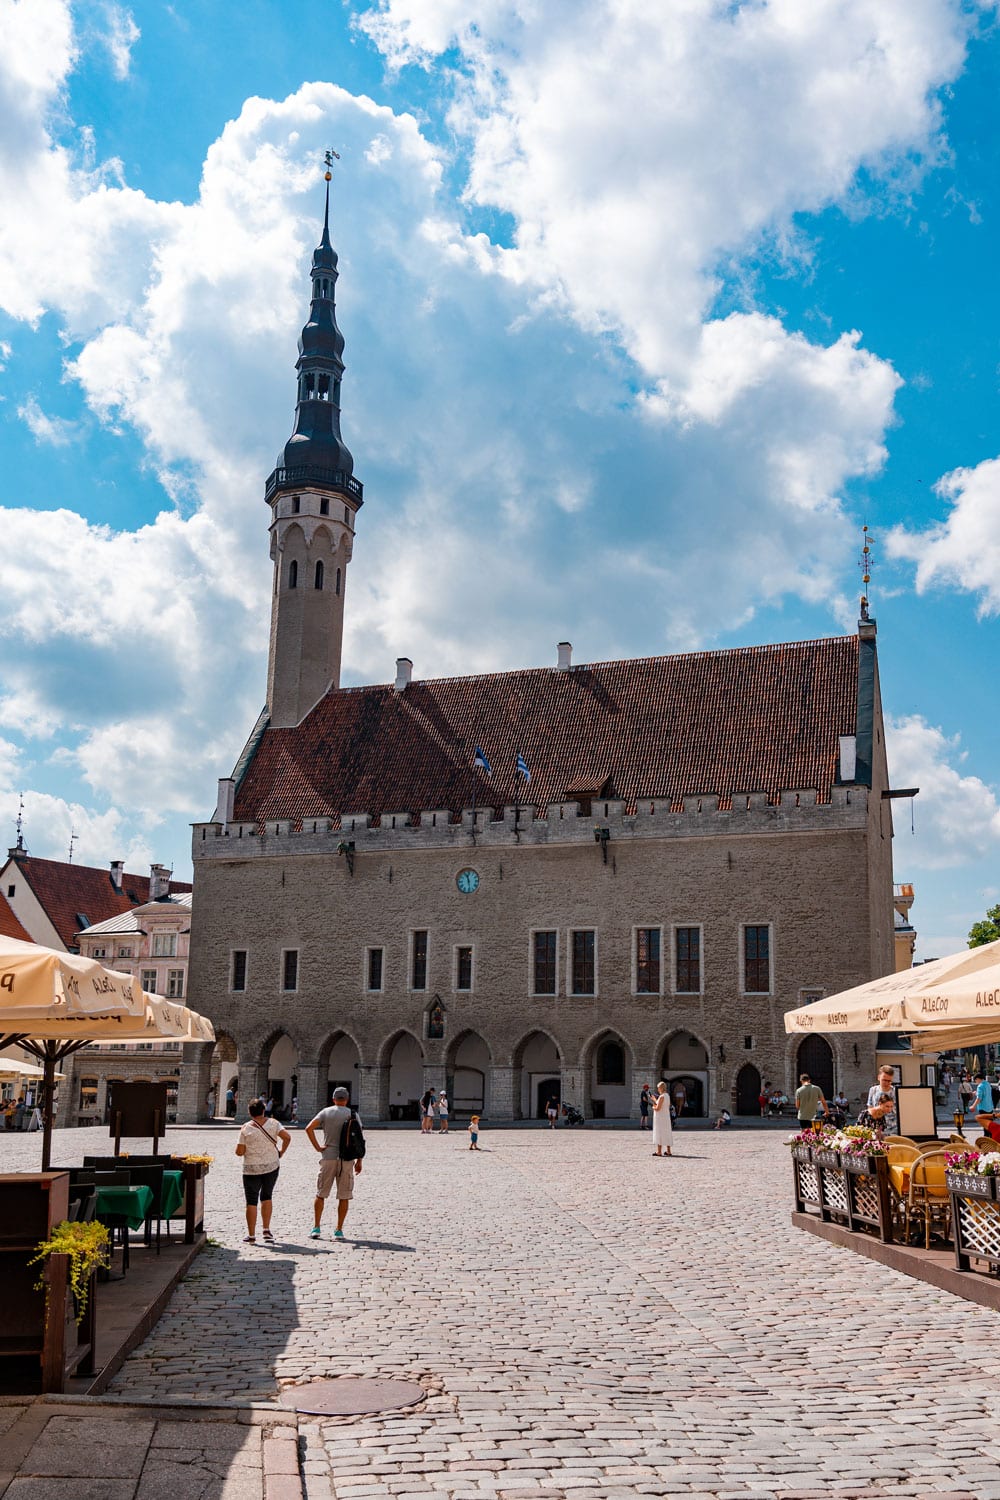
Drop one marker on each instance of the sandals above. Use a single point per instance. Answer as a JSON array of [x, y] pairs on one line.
[[249, 1239], [268, 1237]]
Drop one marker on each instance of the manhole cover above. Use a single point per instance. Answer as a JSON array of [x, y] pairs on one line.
[[348, 1397]]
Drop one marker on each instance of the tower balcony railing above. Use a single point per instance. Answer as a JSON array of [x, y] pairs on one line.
[[303, 475]]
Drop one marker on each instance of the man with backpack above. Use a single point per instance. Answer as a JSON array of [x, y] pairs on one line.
[[341, 1151]]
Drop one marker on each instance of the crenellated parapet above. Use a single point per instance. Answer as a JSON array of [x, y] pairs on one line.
[[707, 815]]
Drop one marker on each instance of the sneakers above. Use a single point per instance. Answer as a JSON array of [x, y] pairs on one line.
[[268, 1237], [314, 1232], [338, 1234]]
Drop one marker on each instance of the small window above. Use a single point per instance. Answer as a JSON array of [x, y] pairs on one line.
[[324, 506], [238, 977], [376, 967], [11, 889], [175, 984], [88, 1093], [319, 575], [611, 1063], [545, 950], [647, 960], [164, 944], [418, 971], [338, 581], [124, 952], [748, 1044], [757, 960], [147, 979], [347, 515], [295, 505], [463, 968], [688, 977], [293, 574], [583, 976], [435, 1022], [100, 952], [290, 969]]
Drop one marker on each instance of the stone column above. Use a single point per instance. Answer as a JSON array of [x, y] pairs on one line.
[[373, 1092], [194, 1080], [574, 1088], [502, 1083], [312, 1092], [253, 1082], [434, 1077], [644, 1074]]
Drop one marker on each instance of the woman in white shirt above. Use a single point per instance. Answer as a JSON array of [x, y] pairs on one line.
[[261, 1152], [443, 1113]]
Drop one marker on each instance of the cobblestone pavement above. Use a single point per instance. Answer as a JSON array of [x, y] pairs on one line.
[[587, 1320]]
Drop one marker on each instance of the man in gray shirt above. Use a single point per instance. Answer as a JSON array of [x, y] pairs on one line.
[[332, 1170], [808, 1098]]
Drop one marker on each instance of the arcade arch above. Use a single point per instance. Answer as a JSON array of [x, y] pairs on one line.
[[537, 1076], [815, 1057], [467, 1070], [684, 1069], [608, 1069], [339, 1067], [401, 1077]]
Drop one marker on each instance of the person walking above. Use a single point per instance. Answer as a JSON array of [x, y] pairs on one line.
[[338, 1167], [474, 1133], [809, 1102], [663, 1134], [427, 1112], [262, 1144], [443, 1113], [552, 1113], [644, 1107], [982, 1100]]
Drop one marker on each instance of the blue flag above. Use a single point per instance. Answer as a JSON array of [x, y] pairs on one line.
[[479, 759], [522, 767]]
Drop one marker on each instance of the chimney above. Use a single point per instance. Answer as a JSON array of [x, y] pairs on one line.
[[159, 882], [117, 871], [565, 657], [226, 800], [404, 673]]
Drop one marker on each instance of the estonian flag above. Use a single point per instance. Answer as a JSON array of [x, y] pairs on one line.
[[479, 759], [522, 767]]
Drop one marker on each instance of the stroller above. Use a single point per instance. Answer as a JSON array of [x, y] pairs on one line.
[[572, 1115]]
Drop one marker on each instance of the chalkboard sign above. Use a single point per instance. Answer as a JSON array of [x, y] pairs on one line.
[[137, 1109]]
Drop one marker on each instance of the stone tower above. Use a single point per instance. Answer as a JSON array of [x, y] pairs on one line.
[[314, 498]]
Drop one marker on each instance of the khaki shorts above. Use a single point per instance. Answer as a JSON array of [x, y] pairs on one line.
[[339, 1172]]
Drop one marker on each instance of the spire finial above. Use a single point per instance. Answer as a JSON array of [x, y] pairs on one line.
[[329, 157], [20, 825], [865, 564]]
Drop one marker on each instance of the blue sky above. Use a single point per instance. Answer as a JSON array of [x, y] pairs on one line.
[[646, 315]]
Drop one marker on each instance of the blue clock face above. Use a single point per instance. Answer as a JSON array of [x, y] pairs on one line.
[[467, 882]]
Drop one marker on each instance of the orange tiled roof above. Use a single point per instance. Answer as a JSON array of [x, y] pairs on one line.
[[9, 925], [762, 718], [65, 891]]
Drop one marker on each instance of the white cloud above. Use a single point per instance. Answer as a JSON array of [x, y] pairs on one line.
[[957, 816], [962, 551], [121, 36], [59, 432]]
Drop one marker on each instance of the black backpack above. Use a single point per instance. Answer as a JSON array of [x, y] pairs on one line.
[[352, 1138]]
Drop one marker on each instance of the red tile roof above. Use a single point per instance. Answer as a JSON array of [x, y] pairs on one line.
[[9, 925], [64, 890], [762, 718]]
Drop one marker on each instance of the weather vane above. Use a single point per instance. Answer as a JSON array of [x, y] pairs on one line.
[[73, 836], [329, 157], [865, 564], [20, 823]]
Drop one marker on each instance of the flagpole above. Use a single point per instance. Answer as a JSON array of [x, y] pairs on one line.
[[517, 802], [475, 768]]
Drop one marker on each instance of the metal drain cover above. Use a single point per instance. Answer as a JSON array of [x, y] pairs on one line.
[[350, 1397]]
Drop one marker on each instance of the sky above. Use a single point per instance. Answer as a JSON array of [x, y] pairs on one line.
[[648, 310]]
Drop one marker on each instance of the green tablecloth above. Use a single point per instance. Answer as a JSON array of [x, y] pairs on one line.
[[129, 1203], [173, 1194]]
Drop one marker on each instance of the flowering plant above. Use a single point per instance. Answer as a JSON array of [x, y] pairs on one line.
[[808, 1138], [196, 1159], [85, 1244], [962, 1161]]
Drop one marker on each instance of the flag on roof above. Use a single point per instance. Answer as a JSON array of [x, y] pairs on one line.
[[479, 759], [522, 767]]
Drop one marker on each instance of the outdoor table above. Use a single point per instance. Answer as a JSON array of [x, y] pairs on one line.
[[129, 1203], [173, 1194]]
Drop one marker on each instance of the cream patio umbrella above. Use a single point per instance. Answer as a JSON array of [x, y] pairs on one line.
[[11, 1068], [53, 1003]]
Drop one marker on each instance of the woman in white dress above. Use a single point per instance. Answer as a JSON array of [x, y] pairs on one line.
[[663, 1135]]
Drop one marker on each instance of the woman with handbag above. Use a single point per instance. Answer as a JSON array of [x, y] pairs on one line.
[[261, 1152]]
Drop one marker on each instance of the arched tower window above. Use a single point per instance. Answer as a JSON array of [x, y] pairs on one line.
[[293, 574], [611, 1063], [338, 580], [324, 387], [319, 575], [324, 506]]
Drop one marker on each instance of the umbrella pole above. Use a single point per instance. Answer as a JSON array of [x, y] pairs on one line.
[[49, 1085]]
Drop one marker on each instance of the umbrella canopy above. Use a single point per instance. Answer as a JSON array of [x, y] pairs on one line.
[[913, 999], [10, 1068]]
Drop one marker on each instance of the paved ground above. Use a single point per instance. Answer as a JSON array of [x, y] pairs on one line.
[[586, 1319]]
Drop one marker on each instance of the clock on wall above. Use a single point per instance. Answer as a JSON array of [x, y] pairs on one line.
[[467, 881]]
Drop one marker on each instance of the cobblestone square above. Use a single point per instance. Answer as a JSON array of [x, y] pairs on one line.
[[587, 1320]]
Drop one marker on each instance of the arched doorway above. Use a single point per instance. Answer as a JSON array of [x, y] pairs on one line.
[[404, 1064], [685, 1071], [282, 1076], [748, 1087], [815, 1057], [224, 1078], [610, 1074], [538, 1077], [341, 1060], [468, 1069]]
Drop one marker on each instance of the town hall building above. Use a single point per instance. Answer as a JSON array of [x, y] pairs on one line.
[[644, 866]]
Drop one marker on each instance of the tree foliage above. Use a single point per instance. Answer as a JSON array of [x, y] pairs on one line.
[[986, 931]]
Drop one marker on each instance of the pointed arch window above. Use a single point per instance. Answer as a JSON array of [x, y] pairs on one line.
[[338, 580], [611, 1062], [319, 575], [293, 574]]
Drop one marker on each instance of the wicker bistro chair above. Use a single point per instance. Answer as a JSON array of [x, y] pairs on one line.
[[928, 1197], [900, 1153], [985, 1143], [899, 1140]]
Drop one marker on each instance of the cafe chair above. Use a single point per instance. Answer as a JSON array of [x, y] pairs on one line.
[[928, 1198], [151, 1177]]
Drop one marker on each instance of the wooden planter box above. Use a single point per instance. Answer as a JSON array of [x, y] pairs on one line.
[[854, 1162], [857, 1194], [826, 1158], [193, 1206], [971, 1185], [802, 1153], [975, 1227]]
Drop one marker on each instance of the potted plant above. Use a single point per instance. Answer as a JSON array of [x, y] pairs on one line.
[[804, 1142], [86, 1246], [860, 1149], [972, 1174]]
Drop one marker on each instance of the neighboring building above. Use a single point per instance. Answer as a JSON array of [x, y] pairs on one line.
[[904, 933], [704, 843], [135, 923]]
